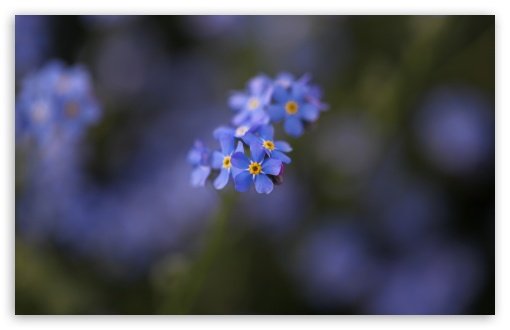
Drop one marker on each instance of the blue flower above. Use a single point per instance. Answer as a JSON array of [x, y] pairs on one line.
[[57, 102], [255, 169], [251, 103], [236, 132], [272, 148], [221, 160], [199, 156], [293, 107]]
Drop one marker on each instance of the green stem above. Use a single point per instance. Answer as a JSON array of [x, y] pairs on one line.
[[183, 296]]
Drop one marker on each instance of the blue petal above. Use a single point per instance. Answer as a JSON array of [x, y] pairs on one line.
[[241, 117], [217, 160], [240, 147], [276, 112], [257, 152], [240, 160], [293, 126], [272, 166], [280, 94], [266, 132], [263, 184], [227, 143], [243, 181], [237, 101], [283, 146], [248, 138], [235, 171], [308, 112], [222, 179], [277, 154], [218, 132], [299, 91], [258, 84], [305, 79], [199, 175]]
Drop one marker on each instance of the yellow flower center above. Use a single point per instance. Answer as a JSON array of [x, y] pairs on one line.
[[255, 168], [253, 103], [291, 107], [269, 145], [226, 162]]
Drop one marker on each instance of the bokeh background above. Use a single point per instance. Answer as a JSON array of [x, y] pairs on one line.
[[387, 207]]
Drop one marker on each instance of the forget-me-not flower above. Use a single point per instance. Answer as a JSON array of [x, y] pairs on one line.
[[222, 160], [272, 148], [199, 156], [255, 169], [292, 107], [251, 103]]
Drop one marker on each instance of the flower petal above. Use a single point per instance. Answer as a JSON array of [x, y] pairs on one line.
[[272, 166], [222, 179], [218, 132], [280, 94], [276, 112], [299, 91], [240, 160], [199, 175], [243, 181], [248, 138], [217, 160], [257, 152], [263, 184], [258, 84], [240, 147], [236, 101], [266, 132], [283, 146], [308, 112], [293, 126], [277, 154], [241, 117], [227, 143]]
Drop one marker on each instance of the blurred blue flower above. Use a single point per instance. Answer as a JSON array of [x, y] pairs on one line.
[[265, 139], [255, 169], [57, 102], [221, 160], [293, 107], [456, 129], [198, 157], [251, 104]]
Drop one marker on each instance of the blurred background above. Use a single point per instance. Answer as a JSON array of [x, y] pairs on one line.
[[387, 206]]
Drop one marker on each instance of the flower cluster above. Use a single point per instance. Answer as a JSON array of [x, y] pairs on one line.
[[264, 101], [56, 102]]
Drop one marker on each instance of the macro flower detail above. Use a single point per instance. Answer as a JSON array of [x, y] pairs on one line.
[[272, 148], [251, 103], [296, 101], [222, 160], [198, 157], [255, 169]]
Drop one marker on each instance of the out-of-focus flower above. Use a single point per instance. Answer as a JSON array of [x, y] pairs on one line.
[[292, 106], [251, 103], [198, 157], [272, 148], [57, 102], [456, 129], [221, 160], [255, 169]]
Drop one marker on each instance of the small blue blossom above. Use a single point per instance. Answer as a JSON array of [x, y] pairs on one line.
[[57, 102], [255, 169], [251, 104], [293, 107], [221, 160], [198, 157], [272, 148]]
